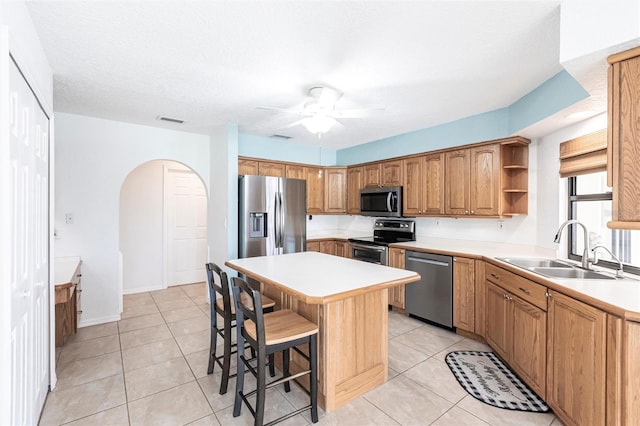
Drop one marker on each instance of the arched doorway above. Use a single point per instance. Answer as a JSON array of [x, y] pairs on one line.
[[163, 227]]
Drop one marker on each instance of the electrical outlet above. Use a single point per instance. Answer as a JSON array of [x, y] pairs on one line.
[[68, 218], [500, 225], [437, 222]]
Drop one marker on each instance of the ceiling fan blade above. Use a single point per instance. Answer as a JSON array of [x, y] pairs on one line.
[[357, 113]]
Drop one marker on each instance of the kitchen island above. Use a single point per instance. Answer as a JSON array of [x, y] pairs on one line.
[[348, 300]]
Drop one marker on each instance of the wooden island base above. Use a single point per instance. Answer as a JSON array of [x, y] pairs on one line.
[[352, 343]]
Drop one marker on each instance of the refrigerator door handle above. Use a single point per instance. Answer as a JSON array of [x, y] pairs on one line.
[[283, 223], [276, 220]]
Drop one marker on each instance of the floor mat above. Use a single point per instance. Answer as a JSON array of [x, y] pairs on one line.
[[485, 377]]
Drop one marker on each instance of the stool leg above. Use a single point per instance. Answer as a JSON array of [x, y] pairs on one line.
[[237, 403], [313, 393], [214, 342], [285, 369], [260, 396], [272, 365], [226, 364]]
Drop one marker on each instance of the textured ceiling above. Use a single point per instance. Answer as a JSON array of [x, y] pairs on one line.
[[212, 62]]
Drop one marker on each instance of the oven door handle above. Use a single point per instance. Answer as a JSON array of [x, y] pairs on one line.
[[367, 247]]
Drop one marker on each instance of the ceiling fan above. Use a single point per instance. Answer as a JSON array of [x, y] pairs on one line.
[[320, 113]]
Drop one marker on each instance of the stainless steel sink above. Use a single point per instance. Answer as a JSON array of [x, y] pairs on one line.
[[553, 268], [527, 263], [570, 273]]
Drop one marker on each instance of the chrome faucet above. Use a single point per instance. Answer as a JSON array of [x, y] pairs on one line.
[[586, 261], [619, 271]]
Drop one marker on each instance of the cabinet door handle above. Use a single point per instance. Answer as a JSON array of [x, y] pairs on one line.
[[524, 290], [547, 294], [495, 276], [79, 275], [472, 212], [466, 212]]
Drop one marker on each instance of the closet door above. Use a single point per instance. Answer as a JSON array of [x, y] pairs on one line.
[[25, 189]]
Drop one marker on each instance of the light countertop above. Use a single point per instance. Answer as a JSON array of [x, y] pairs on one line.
[[65, 267], [620, 296], [321, 278]]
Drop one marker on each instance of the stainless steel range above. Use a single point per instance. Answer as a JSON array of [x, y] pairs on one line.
[[385, 231]]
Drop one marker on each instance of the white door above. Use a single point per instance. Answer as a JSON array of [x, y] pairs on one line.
[[29, 267], [186, 227]]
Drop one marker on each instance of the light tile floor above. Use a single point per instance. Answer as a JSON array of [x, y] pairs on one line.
[[151, 368]]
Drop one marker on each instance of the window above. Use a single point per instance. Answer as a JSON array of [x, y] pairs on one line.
[[590, 203]]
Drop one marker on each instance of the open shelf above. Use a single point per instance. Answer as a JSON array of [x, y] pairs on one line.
[[515, 179]]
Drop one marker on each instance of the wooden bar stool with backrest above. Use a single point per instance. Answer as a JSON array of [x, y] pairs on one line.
[[225, 306], [268, 333]]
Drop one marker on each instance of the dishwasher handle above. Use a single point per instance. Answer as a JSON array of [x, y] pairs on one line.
[[428, 261]]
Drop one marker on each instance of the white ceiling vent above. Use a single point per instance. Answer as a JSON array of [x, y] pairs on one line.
[[169, 119]]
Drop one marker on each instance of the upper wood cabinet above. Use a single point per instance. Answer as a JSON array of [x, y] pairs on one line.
[[335, 190], [354, 184], [622, 139], [268, 168], [487, 180], [315, 189], [371, 175], [484, 198], [392, 173], [576, 373], [457, 182], [295, 171], [247, 167], [423, 187]]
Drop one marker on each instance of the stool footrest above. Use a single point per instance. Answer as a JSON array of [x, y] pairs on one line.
[[289, 415]]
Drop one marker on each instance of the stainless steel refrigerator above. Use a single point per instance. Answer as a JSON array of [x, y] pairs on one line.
[[272, 215]]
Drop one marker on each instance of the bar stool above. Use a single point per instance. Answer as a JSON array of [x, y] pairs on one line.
[[268, 333], [226, 308]]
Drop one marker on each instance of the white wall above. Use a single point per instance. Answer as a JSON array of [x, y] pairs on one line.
[[552, 197], [142, 226], [93, 158], [223, 198]]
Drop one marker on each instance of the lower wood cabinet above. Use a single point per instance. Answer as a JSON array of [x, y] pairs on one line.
[[328, 247], [516, 330], [334, 247], [396, 294], [464, 294], [577, 357]]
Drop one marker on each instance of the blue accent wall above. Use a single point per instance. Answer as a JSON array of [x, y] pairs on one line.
[[554, 95], [477, 128], [284, 150]]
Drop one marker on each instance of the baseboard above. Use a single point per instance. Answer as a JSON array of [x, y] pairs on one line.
[[97, 321]]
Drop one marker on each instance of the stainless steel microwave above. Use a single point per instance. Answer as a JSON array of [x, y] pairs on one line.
[[384, 202]]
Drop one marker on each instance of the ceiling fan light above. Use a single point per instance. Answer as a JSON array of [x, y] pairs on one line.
[[319, 124]]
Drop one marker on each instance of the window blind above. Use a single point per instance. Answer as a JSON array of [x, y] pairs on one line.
[[586, 154]]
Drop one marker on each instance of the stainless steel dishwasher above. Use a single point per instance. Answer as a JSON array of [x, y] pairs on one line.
[[431, 298]]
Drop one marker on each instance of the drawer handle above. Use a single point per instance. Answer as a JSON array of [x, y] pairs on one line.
[[495, 276], [524, 290]]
